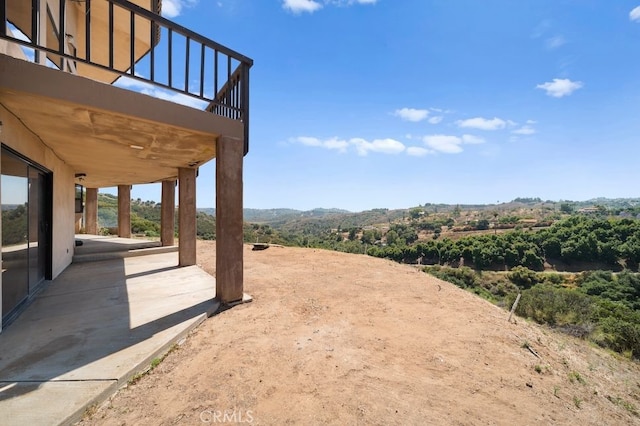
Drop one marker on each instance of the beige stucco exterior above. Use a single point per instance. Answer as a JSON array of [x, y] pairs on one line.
[[19, 138]]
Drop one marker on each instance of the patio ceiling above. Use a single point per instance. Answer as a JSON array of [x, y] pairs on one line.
[[114, 136]]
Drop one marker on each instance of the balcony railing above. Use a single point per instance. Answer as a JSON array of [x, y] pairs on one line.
[[117, 38]]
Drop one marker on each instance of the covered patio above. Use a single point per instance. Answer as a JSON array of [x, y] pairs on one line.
[[110, 93], [96, 325]]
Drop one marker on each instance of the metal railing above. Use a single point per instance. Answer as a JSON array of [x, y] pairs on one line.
[[176, 58]]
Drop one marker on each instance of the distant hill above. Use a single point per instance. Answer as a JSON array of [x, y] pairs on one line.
[[269, 216], [293, 220], [611, 203], [298, 227]]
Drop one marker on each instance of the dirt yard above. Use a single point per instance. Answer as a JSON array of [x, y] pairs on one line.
[[342, 339]]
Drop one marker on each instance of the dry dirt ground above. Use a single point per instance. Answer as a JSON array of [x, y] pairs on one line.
[[334, 338]]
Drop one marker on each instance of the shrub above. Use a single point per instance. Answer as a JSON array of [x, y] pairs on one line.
[[463, 277], [523, 277], [556, 306]]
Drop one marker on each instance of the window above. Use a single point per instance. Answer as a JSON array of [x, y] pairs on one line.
[[79, 199]]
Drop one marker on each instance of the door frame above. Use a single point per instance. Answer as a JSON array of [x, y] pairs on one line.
[[8, 317]]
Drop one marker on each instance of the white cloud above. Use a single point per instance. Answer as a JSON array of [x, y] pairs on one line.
[[482, 123], [531, 122], [441, 111], [300, 6], [433, 144], [411, 114], [435, 119], [524, 130], [471, 139], [443, 143], [339, 145], [335, 143], [555, 42], [310, 6], [384, 146], [417, 151], [307, 140], [173, 8], [560, 87], [634, 15], [447, 144], [361, 146]]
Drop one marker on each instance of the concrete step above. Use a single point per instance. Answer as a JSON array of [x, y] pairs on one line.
[[121, 254], [109, 244]]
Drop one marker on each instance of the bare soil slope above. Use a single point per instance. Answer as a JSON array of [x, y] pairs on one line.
[[334, 338]]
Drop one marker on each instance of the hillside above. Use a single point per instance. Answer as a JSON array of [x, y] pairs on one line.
[[279, 215], [320, 227], [335, 338]]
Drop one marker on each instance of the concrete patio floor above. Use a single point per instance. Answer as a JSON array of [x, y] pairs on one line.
[[91, 329]]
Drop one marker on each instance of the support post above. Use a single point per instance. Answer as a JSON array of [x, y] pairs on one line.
[[229, 233], [124, 211], [91, 211], [187, 217], [167, 212], [40, 55]]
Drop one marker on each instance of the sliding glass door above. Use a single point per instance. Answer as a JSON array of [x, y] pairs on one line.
[[25, 230]]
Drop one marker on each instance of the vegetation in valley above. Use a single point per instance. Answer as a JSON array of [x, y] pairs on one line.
[[601, 306]]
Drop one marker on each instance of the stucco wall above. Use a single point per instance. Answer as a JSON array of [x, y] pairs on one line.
[[22, 140], [11, 49]]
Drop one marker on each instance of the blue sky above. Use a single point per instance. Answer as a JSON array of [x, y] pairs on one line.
[[360, 104]]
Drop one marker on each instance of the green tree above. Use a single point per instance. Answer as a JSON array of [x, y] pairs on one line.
[[566, 208], [523, 277], [392, 237], [370, 236], [531, 260], [415, 213], [483, 224]]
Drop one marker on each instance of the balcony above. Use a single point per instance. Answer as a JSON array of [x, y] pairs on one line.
[[128, 46]]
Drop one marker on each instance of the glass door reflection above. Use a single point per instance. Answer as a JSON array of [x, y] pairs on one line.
[[14, 197]]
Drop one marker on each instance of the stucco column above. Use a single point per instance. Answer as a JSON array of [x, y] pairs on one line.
[[229, 238], [124, 211], [91, 211], [187, 216], [168, 212]]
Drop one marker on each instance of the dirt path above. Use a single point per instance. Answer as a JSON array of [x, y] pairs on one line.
[[333, 338]]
